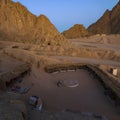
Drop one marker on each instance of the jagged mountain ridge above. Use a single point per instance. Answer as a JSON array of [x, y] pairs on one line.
[[76, 31], [109, 23], [18, 24]]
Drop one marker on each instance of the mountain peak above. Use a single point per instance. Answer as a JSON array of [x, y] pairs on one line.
[[18, 24], [78, 30], [43, 18], [108, 23]]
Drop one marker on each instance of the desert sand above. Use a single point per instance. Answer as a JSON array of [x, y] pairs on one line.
[[88, 97], [34, 42]]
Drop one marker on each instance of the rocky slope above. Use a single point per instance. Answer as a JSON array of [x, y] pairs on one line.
[[109, 23], [75, 32], [18, 24]]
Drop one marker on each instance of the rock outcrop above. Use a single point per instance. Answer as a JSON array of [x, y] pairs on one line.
[[18, 24], [109, 23], [75, 32]]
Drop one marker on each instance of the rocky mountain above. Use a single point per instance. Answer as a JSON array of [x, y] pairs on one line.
[[18, 24], [109, 23], [75, 32]]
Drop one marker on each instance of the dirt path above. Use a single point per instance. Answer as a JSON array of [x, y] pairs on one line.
[[87, 60], [96, 45]]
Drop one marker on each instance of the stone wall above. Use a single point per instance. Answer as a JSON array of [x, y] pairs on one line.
[[108, 80]]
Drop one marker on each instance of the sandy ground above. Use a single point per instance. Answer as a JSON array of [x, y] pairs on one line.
[[87, 97], [87, 60], [106, 42], [96, 45], [100, 39]]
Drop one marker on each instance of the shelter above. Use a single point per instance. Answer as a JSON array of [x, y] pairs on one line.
[[114, 71], [39, 105]]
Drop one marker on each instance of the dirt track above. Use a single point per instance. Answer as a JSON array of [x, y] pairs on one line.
[[96, 45], [87, 60]]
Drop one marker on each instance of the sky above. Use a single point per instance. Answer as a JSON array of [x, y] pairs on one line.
[[66, 13]]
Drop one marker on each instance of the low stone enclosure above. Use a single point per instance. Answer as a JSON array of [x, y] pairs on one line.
[[9, 78], [110, 83]]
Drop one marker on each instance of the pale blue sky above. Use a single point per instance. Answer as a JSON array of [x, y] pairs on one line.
[[65, 13]]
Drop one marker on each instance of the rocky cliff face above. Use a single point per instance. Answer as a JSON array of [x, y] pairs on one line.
[[109, 23], [75, 32], [115, 19], [18, 24]]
